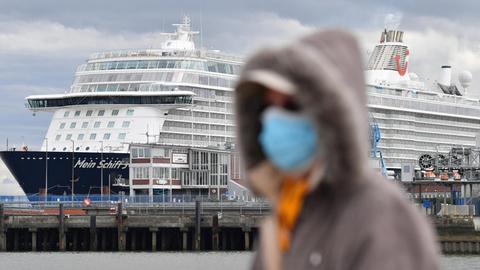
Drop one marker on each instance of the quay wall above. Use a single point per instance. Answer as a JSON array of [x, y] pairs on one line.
[[172, 228]]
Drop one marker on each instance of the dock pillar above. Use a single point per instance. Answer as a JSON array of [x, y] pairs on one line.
[[3, 235], [198, 219], [247, 239], [33, 232], [154, 238], [122, 235], [62, 245], [93, 233], [184, 232]]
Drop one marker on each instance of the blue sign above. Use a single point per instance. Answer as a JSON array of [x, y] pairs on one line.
[[427, 204]]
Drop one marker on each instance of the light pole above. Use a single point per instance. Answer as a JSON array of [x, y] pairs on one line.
[[46, 169], [73, 169], [101, 172]]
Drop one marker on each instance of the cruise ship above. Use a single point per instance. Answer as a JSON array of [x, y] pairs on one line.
[[181, 95], [175, 95], [415, 115]]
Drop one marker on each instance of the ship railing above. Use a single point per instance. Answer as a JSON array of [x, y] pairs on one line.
[[140, 204], [165, 53]]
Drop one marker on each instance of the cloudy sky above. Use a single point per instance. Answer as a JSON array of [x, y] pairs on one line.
[[42, 42]]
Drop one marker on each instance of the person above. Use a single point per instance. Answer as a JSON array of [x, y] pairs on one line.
[[303, 135]]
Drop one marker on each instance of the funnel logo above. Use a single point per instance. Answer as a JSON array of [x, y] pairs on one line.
[[402, 70]]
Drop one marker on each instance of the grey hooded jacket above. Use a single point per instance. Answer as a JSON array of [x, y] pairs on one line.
[[354, 219]]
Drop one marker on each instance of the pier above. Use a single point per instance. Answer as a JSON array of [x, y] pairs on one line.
[[169, 227], [185, 226]]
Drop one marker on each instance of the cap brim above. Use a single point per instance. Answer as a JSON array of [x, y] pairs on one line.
[[271, 80]]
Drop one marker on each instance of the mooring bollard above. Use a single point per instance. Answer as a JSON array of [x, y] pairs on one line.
[[62, 243]]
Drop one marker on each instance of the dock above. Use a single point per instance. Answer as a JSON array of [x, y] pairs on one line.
[[185, 226], [168, 227]]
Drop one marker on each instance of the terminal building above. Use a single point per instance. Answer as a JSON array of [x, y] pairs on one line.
[[179, 172]]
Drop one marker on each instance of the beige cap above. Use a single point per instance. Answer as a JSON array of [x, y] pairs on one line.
[[271, 80]]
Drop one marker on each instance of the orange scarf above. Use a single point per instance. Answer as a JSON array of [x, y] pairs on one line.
[[292, 194]]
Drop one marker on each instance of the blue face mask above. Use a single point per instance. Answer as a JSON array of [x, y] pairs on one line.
[[288, 139]]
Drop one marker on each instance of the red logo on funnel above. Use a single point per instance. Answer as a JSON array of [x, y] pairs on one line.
[[402, 70]]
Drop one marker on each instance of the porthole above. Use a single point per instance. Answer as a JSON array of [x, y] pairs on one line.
[[78, 148], [87, 148], [65, 149]]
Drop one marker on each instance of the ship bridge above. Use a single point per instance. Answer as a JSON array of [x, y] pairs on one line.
[[167, 99]]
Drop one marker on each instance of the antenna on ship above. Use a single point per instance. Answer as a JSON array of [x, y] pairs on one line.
[[182, 38], [201, 29]]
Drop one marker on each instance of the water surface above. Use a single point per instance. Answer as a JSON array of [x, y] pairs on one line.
[[163, 260]]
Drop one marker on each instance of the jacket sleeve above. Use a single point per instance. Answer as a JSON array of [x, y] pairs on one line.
[[397, 240]]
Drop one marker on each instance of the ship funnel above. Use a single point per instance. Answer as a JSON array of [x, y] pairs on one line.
[[446, 76]]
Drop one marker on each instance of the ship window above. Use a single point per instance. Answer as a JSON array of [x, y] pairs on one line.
[[142, 64], [102, 88], [152, 64], [64, 149], [130, 112], [84, 124], [97, 124], [62, 125], [121, 136], [101, 112], [53, 149], [77, 113], [73, 124], [121, 65], [106, 136], [80, 136], [89, 113], [93, 136], [111, 65], [87, 148], [112, 87], [126, 124], [69, 136], [58, 137], [111, 124], [78, 148], [114, 112], [132, 64], [66, 114]]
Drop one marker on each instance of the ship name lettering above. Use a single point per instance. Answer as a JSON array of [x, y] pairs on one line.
[[83, 164]]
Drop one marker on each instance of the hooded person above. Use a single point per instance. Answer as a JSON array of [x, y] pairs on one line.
[[303, 134]]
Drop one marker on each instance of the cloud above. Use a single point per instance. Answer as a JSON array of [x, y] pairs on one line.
[[39, 37]]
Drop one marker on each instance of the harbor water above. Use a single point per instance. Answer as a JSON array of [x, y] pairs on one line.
[[163, 260]]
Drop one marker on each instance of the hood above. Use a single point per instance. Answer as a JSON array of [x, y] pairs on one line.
[[326, 70]]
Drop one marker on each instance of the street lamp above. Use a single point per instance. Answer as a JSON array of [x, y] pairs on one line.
[[46, 169], [73, 168], [101, 171]]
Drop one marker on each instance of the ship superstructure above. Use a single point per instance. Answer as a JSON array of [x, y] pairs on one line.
[[180, 95], [416, 116], [177, 95]]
